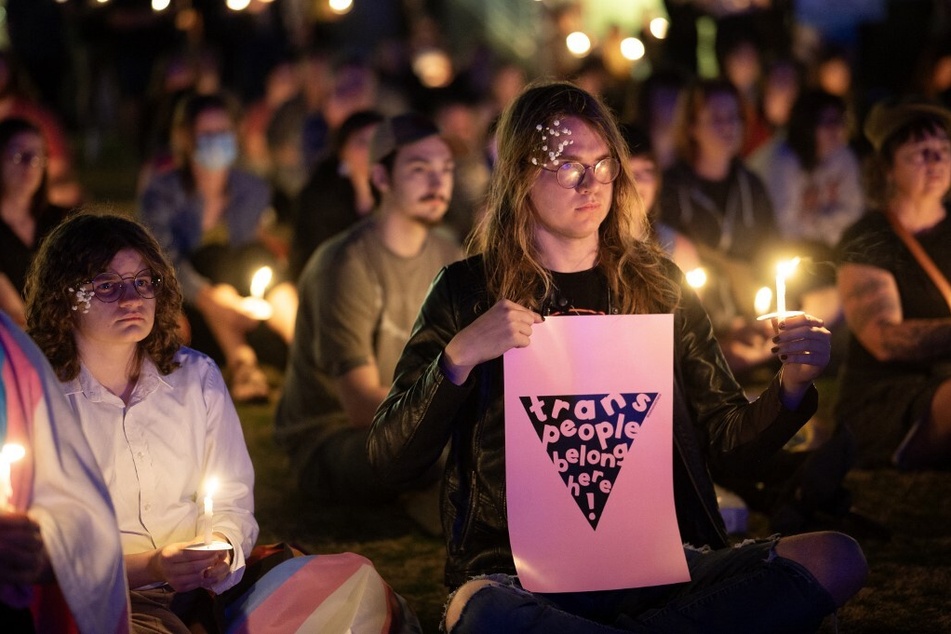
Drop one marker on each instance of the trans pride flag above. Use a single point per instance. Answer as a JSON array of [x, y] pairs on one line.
[[57, 483], [321, 593], [21, 393]]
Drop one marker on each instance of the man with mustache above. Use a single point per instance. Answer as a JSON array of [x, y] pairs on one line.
[[359, 295]]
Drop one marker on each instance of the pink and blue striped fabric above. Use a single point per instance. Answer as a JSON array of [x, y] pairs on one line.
[[321, 593], [20, 393]]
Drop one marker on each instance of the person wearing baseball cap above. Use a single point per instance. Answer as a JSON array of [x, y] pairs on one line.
[[360, 293], [893, 267]]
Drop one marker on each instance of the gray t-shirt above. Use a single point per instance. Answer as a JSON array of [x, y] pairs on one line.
[[358, 301]]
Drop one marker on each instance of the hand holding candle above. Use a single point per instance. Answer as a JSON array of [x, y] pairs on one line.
[[256, 306], [10, 453]]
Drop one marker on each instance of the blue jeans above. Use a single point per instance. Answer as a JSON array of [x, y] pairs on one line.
[[743, 589]]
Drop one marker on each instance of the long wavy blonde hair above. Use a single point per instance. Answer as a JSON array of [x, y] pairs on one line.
[[631, 262]]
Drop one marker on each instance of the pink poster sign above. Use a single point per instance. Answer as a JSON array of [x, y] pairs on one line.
[[588, 446]]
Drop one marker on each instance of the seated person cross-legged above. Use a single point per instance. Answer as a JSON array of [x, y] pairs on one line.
[[567, 212]]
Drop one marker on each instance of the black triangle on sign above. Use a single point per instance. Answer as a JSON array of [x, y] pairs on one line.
[[587, 437]]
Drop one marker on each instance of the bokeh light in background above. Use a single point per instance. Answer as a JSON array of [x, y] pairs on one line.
[[706, 56], [340, 7], [659, 27], [616, 31], [630, 15], [696, 278], [632, 48], [578, 44], [433, 68]]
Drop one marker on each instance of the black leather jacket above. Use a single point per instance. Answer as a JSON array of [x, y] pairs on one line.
[[716, 429]]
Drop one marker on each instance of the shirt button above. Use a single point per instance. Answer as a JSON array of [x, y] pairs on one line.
[[141, 454], [148, 507]]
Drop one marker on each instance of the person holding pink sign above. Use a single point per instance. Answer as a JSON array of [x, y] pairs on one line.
[[565, 233]]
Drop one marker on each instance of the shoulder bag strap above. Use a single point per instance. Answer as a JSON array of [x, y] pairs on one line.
[[923, 258]]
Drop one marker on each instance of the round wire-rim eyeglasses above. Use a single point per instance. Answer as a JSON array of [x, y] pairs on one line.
[[570, 174], [109, 287]]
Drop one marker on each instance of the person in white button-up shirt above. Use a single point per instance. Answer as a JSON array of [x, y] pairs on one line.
[[103, 304]]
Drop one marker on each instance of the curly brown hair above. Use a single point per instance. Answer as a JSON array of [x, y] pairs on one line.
[[77, 250], [630, 260]]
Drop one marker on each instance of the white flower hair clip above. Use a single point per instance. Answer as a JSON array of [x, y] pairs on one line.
[[553, 144], [82, 297]]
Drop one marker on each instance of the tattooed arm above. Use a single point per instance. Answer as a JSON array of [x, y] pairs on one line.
[[872, 307]]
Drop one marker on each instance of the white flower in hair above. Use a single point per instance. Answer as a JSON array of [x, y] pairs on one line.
[[82, 297], [551, 136]]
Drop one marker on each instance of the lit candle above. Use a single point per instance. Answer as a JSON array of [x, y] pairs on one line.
[[783, 271], [10, 453], [260, 280], [210, 486], [256, 305]]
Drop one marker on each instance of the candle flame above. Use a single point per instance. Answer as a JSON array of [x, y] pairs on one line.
[[262, 277], [211, 485], [783, 270], [696, 277], [786, 267], [12, 452], [764, 298]]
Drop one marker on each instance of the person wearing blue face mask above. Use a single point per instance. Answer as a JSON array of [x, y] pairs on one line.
[[216, 150], [209, 216]]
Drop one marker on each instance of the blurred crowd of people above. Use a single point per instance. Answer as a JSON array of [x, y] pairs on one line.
[[284, 161], [758, 164]]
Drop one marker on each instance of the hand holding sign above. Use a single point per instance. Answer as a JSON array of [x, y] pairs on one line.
[[505, 326]]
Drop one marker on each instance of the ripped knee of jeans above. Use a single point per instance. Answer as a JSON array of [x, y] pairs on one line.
[[772, 540], [458, 600], [697, 549]]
